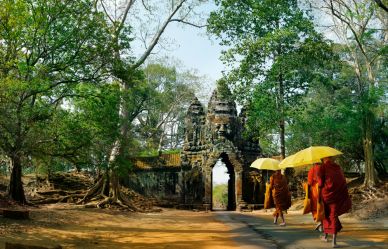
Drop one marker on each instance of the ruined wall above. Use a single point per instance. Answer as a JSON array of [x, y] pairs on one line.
[[163, 186], [157, 177]]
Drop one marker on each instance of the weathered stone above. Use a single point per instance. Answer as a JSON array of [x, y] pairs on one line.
[[222, 136]]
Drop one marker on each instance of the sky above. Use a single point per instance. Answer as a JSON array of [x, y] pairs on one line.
[[220, 175], [193, 48], [196, 49]]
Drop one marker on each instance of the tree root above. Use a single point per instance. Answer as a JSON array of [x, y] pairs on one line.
[[105, 193], [57, 199], [92, 191]]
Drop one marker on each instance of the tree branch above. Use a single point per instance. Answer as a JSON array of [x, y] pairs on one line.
[[106, 12], [157, 37], [189, 23], [337, 14], [381, 5], [126, 11]]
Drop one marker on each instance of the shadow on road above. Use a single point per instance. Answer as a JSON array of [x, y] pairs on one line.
[[258, 231]]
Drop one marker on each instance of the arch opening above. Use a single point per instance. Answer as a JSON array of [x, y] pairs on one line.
[[223, 185]]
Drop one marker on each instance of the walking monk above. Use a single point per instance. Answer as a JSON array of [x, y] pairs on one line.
[[281, 195], [312, 182], [336, 199]]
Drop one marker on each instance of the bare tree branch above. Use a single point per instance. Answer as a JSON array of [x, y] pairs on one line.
[[189, 23], [337, 14], [145, 6], [126, 11], [381, 5], [157, 37], [106, 12]]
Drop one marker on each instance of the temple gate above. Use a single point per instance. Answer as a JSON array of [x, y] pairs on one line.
[[216, 135], [208, 138]]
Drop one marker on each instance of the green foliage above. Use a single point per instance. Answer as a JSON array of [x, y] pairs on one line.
[[274, 54], [332, 114], [220, 195], [329, 117], [47, 48]]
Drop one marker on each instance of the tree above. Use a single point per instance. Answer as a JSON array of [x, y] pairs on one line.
[[81, 132], [382, 5], [161, 122], [274, 52], [362, 28], [329, 115], [46, 48], [125, 70]]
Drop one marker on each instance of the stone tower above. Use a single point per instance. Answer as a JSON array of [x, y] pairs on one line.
[[216, 136]]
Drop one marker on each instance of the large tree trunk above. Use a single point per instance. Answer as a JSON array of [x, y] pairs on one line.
[[15, 189], [371, 178]]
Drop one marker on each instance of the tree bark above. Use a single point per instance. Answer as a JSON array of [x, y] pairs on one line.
[[281, 107], [281, 121], [15, 189], [370, 173]]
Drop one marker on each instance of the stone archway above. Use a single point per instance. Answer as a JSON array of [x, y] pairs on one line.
[[213, 136]]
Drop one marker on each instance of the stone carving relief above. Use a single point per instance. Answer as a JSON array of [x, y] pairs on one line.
[[214, 135]]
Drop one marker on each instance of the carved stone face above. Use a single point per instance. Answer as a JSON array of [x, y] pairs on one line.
[[221, 117], [223, 129]]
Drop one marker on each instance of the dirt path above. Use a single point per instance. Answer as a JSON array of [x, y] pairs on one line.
[[74, 227]]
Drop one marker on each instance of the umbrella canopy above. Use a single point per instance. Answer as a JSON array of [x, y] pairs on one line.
[[287, 162], [266, 163], [311, 155]]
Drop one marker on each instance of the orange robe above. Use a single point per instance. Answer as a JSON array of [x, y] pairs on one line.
[[312, 181], [335, 196], [280, 193]]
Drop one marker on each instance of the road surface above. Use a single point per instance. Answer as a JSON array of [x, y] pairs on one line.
[[256, 230]]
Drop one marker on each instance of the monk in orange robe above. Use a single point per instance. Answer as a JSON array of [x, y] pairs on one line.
[[280, 194], [336, 199], [312, 181]]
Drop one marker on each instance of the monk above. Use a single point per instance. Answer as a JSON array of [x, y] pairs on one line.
[[281, 195], [312, 182], [336, 199]]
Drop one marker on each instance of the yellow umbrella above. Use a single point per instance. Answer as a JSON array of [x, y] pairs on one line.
[[266, 163], [311, 155], [287, 162]]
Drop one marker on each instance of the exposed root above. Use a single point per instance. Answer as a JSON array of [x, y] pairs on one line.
[[92, 191], [57, 199], [105, 193]]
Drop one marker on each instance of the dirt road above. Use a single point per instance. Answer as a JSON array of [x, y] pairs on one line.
[[74, 227]]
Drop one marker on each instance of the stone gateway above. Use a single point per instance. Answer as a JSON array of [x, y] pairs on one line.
[[185, 180]]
